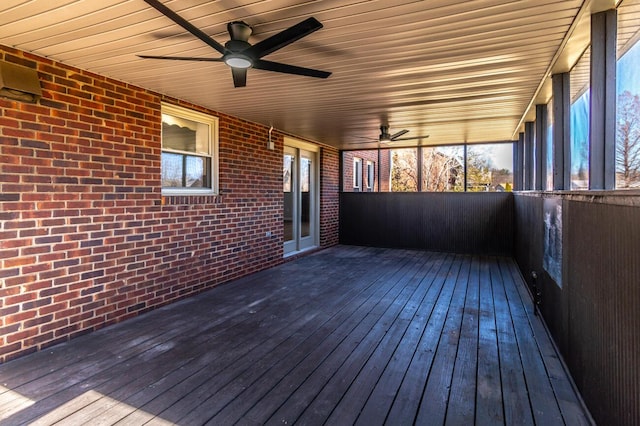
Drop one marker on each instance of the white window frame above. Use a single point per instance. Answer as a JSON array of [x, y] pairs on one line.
[[212, 122], [357, 174], [370, 175]]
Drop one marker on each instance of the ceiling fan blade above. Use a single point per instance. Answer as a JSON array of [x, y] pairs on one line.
[[398, 134], [239, 77], [185, 24], [181, 58], [411, 138], [366, 137], [289, 69], [283, 38]]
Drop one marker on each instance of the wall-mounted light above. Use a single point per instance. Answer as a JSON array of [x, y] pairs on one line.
[[19, 83], [271, 145]]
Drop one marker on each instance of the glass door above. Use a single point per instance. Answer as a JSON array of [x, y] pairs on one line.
[[289, 178], [300, 199]]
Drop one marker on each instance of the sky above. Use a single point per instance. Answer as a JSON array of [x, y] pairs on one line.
[[627, 78]]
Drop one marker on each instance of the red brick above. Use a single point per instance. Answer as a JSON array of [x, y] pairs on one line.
[[97, 240]]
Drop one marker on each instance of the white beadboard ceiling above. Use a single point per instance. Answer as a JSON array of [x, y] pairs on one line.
[[458, 71]]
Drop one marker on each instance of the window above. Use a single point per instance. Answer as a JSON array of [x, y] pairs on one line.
[[189, 151], [490, 167], [370, 175], [579, 112], [404, 170], [443, 168], [357, 174], [628, 98]]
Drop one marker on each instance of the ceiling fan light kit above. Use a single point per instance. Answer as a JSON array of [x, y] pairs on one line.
[[238, 53], [235, 60]]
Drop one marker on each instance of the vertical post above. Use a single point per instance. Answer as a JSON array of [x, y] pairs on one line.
[[518, 163], [540, 149], [561, 131], [341, 175], [377, 178], [602, 144], [529, 165], [419, 166], [465, 168]]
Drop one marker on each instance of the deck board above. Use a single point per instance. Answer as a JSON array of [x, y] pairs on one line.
[[348, 335]]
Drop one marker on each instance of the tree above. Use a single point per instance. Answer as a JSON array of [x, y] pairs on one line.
[[442, 170], [478, 172], [404, 170], [628, 139]]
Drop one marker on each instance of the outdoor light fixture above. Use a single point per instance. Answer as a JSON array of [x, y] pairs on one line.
[[19, 83], [237, 60]]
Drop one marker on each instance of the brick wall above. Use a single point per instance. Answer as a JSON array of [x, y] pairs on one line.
[[86, 237], [347, 169], [329, 198]]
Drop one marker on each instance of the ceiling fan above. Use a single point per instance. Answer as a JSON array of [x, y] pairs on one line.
[[238, 53], [386, 137]]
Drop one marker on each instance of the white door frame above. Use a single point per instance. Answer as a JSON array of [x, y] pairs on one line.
[[299, 150]]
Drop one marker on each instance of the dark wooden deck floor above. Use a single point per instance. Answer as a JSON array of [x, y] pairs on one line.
[[345, 336]]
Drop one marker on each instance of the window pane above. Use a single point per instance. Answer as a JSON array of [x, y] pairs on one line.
[[194, 173], [370, 175], [579, 111], [628, 98], [404, 170], [357, 173], [182, 134], [171, 170], [490, 167], [549, 159], [443, 168]]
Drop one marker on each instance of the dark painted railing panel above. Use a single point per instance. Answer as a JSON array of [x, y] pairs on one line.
[[450, 222], [595, 315]]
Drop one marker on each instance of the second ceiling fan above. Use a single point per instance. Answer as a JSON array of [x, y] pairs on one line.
[[386, 137], [238, 53]]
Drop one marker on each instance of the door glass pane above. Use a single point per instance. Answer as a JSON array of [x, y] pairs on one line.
[[305, 185], [287, 189]]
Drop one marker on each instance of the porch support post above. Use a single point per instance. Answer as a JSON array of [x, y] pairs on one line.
[[518, 163], [529, 166], [602, 131], [419, 166], [561, 131], [540, 149]]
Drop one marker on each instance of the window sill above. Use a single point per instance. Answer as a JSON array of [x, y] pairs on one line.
[[190, 199]]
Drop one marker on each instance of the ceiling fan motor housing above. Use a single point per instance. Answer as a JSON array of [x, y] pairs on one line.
[[384, 134], [239, 31]]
